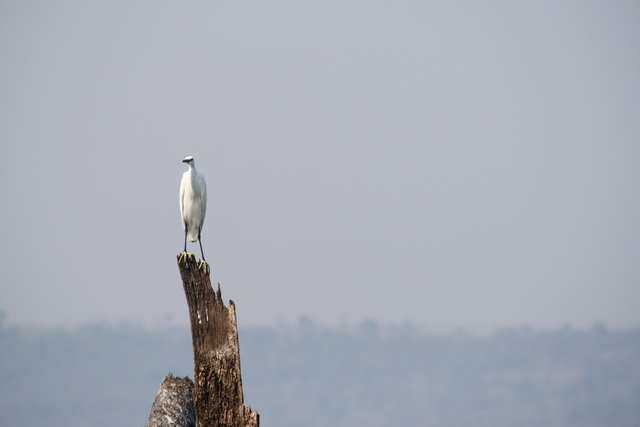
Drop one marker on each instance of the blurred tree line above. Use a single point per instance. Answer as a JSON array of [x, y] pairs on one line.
[[307, 374]]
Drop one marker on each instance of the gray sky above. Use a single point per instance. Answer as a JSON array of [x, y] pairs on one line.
[[454, 164]]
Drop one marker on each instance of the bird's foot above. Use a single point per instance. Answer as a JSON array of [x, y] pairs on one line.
[[186, 255], [204, 266]]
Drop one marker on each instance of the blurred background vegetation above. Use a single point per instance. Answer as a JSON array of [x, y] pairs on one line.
[[353, 375]]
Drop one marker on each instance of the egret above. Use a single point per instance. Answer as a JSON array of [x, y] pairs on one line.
[[193, 204]]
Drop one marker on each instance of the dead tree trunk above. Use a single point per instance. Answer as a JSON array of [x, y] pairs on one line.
[[173, 405], [218, 396]]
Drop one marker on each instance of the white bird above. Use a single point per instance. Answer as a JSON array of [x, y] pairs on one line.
[[193, 203]]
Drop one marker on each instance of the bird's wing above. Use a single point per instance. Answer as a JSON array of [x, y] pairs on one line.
[[183, 186], [203, 194]]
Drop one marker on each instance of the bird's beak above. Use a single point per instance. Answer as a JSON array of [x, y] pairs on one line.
[[185, 161]]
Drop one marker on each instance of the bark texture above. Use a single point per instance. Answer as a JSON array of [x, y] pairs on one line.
[[218, 396], [173, 405]]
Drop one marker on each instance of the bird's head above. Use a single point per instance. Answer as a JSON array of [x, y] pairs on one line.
[[188, 160]]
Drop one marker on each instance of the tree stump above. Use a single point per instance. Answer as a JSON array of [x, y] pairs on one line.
[[218, 396], [173, 405]]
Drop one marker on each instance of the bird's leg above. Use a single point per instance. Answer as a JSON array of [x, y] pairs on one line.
[[203, 264], [200, 241], [184, 253]]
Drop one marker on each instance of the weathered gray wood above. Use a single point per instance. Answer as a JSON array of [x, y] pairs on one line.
[[218, 396], [173, 405]]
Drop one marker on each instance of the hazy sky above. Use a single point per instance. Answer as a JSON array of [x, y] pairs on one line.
[[453, 164]]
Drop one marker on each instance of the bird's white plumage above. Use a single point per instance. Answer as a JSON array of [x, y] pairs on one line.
[[193, 200]]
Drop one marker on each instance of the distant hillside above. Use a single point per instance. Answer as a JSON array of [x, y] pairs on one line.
[[308, 375]]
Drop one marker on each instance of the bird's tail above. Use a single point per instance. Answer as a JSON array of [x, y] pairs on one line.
[[193, 234]]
